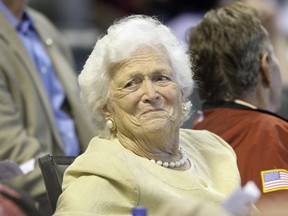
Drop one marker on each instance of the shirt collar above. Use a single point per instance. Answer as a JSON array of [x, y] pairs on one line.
[[238, 101], [25, 24]]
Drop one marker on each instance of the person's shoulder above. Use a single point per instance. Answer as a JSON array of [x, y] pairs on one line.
[[101, 158], [203, 140], [269, 117], [257, 115], [43, 24], [198, 135], [265, 121], [38, 16], [247, 117], [100, 144], [99, 150]]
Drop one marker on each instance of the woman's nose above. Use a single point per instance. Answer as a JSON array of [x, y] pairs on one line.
[[150, 92]]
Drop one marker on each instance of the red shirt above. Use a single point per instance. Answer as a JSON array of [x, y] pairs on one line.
[[259, 139]]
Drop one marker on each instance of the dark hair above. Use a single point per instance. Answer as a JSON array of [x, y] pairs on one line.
[[226, 48]]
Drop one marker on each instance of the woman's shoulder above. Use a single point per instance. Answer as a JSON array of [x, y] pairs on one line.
[[101, 154], [194, 133], [198, 136], [97, 144], [101, 158], [203, 140]]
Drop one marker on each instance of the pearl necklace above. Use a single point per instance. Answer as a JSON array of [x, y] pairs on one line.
[[184, 158]]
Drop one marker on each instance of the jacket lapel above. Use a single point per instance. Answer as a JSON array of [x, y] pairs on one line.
[[7, 34]]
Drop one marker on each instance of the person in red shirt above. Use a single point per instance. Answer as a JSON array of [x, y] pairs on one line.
[[239, 85]]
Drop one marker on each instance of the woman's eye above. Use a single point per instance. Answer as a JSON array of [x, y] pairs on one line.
[[162, 78], [131, 83]]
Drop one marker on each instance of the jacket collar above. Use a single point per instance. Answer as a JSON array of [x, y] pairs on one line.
[[241, 106]]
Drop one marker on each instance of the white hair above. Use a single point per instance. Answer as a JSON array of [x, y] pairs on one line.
[[123, 38]]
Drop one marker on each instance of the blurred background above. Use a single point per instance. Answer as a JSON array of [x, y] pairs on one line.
[[83, 21]]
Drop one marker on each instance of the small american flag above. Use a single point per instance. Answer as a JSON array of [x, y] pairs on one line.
[[273, 180]]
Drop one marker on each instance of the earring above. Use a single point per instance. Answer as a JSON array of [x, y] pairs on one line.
[[110, 123], [186, 109], [186, 106]]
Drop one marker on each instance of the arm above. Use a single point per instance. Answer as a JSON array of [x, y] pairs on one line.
[[98, 183], [16, 143], [275, 160], [23, 135]]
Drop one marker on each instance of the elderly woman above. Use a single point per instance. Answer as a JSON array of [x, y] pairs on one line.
[[136, 81]]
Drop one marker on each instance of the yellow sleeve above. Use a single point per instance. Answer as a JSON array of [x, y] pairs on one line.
[[99, 185]]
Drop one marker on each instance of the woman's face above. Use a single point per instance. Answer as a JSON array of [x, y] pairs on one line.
[[144, 94]]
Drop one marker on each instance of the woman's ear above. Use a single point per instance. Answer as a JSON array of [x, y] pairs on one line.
[[265, 70], [105, 110]]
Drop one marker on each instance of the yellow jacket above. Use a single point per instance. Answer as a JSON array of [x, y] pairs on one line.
[[110, 180]]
